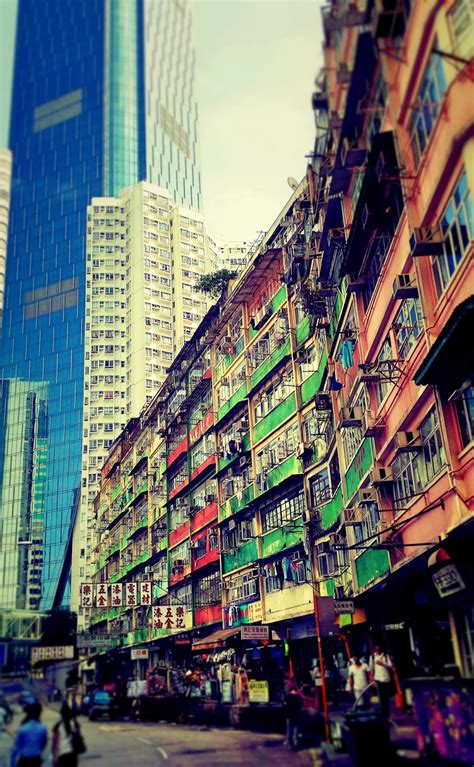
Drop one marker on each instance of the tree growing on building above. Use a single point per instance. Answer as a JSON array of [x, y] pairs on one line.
[[214, 284]]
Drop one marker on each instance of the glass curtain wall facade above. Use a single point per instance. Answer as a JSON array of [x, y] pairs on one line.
[[77, 131]]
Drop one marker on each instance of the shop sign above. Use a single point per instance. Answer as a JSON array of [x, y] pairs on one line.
[[131, 595], [102, 594], [258, 691], [168, 617], [343, 606], [448, 581], [86, 594], [139, 653], [255, 612], [394, 626], [116, 590], [254, 632], [145, 593], [226, 691], [90, 642], [52, 653]]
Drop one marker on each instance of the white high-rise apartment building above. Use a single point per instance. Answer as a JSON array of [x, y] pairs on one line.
[[227, 254], [144, 257]]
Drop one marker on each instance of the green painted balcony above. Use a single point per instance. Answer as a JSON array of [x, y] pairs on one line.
[[281, 539], [302, 330], [237, 396], [331, 510], [277, 355], [278, 299], [287, 468], [313, 384], [275, 418], [245, 555], [225, 462], [360, 465], [139, 526], [371, 564], [232, 505]]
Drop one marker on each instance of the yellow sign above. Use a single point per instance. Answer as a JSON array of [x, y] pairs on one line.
[[255, 612], [258, 691]]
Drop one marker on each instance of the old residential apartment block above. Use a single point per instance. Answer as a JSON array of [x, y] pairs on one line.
[[144, 257]]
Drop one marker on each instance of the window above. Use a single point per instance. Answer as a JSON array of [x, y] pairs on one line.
[[461, 18], [208, 590], [427, 105], [382, 387], [414, 470], [457, 225], [282, 512], [368, 525], [464, 405], [407, 326]]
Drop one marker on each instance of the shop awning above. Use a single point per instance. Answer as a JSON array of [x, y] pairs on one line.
[[216, 640], [450, 361]]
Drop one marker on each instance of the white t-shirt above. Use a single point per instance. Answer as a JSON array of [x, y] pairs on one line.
[[381, 673], [360, 675]]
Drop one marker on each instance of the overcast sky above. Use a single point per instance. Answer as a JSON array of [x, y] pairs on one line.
[[256, 63]]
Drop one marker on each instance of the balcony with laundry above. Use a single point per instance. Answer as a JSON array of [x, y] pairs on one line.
[[279, 459], [205, 548], [203, 504]]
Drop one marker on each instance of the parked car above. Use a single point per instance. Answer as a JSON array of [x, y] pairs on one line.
[[102, 703]]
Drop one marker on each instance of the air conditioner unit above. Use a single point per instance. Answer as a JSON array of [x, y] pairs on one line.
[[382, 475], [356, 284], [372, 427], [335, 539], [426, 241], [244, 425], [343, 74], [335, 121], [350, 515], [367, 495], [404, 286], [322, 401], [408, 441], [353, 153], [369, 372], [350, 417], [322, 548]]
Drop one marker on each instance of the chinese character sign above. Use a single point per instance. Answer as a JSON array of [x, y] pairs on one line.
[[86, 595], [145, 593], [169, 617], [131, 594], [116, 594], [102, 594]]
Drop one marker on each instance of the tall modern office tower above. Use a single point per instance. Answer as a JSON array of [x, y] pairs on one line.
[[5, 191], [102, 98]]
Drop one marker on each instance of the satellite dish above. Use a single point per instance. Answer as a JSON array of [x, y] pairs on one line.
[[292, 182]]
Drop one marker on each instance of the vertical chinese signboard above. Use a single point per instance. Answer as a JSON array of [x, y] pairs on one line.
[[86, 595], [145, 593]]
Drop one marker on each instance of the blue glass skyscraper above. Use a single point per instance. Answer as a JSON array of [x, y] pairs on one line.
[[102, 98]]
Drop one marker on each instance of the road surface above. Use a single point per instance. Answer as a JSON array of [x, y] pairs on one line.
[[127, 744]]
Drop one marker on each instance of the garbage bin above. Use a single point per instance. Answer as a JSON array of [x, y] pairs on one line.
[[366, 735]]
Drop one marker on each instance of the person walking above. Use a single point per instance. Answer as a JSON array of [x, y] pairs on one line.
[[30, 740], [382, 670], [359, 681], [292, 705], [67, 739]]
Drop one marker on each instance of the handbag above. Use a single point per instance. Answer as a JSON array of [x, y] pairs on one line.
[[77, 741]]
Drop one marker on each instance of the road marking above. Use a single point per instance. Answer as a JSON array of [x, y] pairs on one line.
[[162, 752], [144, 740]]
